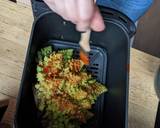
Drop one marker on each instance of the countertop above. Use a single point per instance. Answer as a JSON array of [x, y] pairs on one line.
[[15, 27]]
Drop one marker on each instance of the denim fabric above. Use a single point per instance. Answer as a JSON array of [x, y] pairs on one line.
[[134, 9]]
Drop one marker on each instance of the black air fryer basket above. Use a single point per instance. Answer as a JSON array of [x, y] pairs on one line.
[[110, 51]]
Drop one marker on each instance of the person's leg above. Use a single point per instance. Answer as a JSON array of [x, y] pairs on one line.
[[134, 9]]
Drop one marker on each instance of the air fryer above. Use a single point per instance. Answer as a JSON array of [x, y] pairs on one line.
[[114, 46]]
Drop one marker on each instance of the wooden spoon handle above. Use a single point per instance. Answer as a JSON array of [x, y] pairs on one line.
[[84, 42]]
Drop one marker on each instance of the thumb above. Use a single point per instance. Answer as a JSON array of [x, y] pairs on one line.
[[97, 23]]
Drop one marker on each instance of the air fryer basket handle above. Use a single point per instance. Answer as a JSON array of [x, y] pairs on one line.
[[119, 18], [39, 7]]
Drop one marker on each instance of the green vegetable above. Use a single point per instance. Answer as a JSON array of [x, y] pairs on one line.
[[67, 54], [39, 69], [45, 62], [91, 81], [40, 77], [44, 52]]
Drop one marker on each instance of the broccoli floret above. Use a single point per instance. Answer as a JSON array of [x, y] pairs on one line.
[[67, 54], [44, 52]]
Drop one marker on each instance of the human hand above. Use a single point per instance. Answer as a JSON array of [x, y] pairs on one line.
[[84, 13]]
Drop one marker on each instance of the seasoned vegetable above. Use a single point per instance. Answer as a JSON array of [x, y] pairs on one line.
[[64, 90]]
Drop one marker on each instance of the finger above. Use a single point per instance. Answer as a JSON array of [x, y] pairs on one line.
[[85, 13], [61, 10], [71, 10], [58, 7], [97, 23], [51, 4]]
